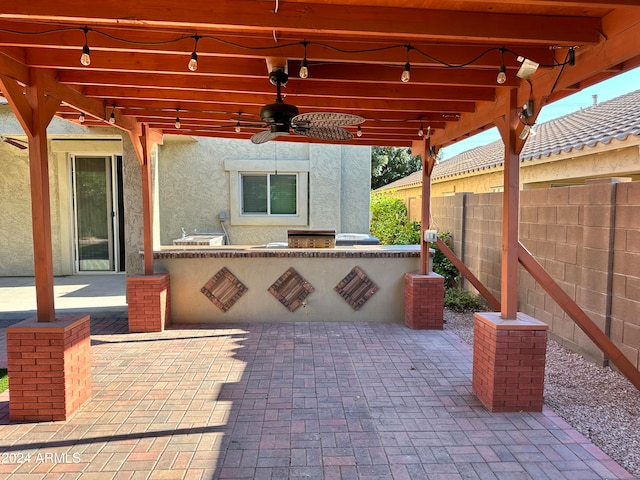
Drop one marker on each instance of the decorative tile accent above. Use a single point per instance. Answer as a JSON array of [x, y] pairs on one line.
[[224, 289], [291, 289], [356, 288]]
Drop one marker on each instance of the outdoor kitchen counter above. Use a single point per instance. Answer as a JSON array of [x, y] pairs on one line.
[[233, 283], [252, 251]]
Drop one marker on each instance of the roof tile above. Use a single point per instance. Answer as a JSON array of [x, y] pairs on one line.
[[617, 118]]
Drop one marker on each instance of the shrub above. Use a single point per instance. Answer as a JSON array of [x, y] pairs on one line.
[[389, 219], [460, 300], [442, 265]]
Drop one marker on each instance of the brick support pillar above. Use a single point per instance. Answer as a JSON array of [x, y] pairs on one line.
[[508, 362], [49, 366], [149, 303], [424, 301]]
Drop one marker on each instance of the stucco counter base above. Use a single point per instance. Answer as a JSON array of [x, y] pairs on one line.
[[249, 284]]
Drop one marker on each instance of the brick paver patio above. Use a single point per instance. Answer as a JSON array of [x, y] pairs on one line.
[[291, 401]]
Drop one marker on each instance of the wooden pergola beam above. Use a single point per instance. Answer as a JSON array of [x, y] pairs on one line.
[[356, 21]]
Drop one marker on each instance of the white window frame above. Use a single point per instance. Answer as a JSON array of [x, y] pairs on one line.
[[237, 168], [268, 177]]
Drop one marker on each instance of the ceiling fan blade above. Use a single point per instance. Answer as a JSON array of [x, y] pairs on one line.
[[325, 133], [326, 119], [15, 142], [266, 136]]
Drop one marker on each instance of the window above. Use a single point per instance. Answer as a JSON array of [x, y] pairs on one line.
[[258, 196], [269, 194]]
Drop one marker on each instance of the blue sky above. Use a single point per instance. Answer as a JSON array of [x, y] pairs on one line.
[[614, 87]]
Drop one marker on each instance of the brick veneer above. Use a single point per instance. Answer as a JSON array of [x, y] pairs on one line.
[[49, 368], [508, 362], [424, 301], [149, 303]]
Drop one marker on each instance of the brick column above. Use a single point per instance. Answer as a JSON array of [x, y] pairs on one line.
[[508, 362], [424, 301], [49, 366], [149, 303]]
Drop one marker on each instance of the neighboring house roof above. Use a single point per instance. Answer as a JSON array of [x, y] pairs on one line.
[[617, 118]]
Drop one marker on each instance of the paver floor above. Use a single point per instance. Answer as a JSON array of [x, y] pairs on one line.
[[291, 401]]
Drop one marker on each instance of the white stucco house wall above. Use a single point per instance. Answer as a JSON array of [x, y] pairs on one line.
[[198, 184]]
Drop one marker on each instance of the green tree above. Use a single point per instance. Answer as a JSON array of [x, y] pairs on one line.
[[391, 163]]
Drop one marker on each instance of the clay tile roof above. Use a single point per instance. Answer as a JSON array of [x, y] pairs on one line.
[[617, 118]]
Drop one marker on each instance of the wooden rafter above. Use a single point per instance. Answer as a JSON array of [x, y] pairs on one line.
[[356, 50]]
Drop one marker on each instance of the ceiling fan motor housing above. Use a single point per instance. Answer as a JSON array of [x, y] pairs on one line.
[[278, 115]]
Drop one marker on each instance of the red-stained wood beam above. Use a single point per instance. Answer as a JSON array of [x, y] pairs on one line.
[[422, 148], [14, 93], [365, 54], [34, 110], [565, 3], [352, 78], [619, 48], [468, 274], [330, 19], [261, 91], [507, 125], [574, 311], [143, 139], [13, 69]]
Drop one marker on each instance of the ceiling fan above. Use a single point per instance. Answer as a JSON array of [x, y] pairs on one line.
[[16, 142], [283, 118]]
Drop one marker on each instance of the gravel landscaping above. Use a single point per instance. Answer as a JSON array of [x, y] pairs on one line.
[[597, 401]]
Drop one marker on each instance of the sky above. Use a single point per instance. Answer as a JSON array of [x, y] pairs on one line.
[[614, 87]]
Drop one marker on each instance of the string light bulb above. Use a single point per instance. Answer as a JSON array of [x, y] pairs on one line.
[[112, 117], [193, 61], [178, 124], [502, 73], [359, 131], [85, 58], [406, 73], [304, 68], [421, 131], [237, 128], [81, 117], [304, 65]]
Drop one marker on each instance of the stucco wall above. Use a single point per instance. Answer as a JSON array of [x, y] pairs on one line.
[[190, 305], [191, 188], [16, 242], [194, 185]]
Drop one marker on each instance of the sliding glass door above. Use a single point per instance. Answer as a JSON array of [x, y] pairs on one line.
[[94, 214]]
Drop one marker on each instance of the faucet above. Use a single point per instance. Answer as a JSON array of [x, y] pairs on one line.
[[184, 233]]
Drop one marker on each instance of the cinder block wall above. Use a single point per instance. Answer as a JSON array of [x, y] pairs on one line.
[[587, 237]]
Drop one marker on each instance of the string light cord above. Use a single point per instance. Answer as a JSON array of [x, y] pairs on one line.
[[568, 61]]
